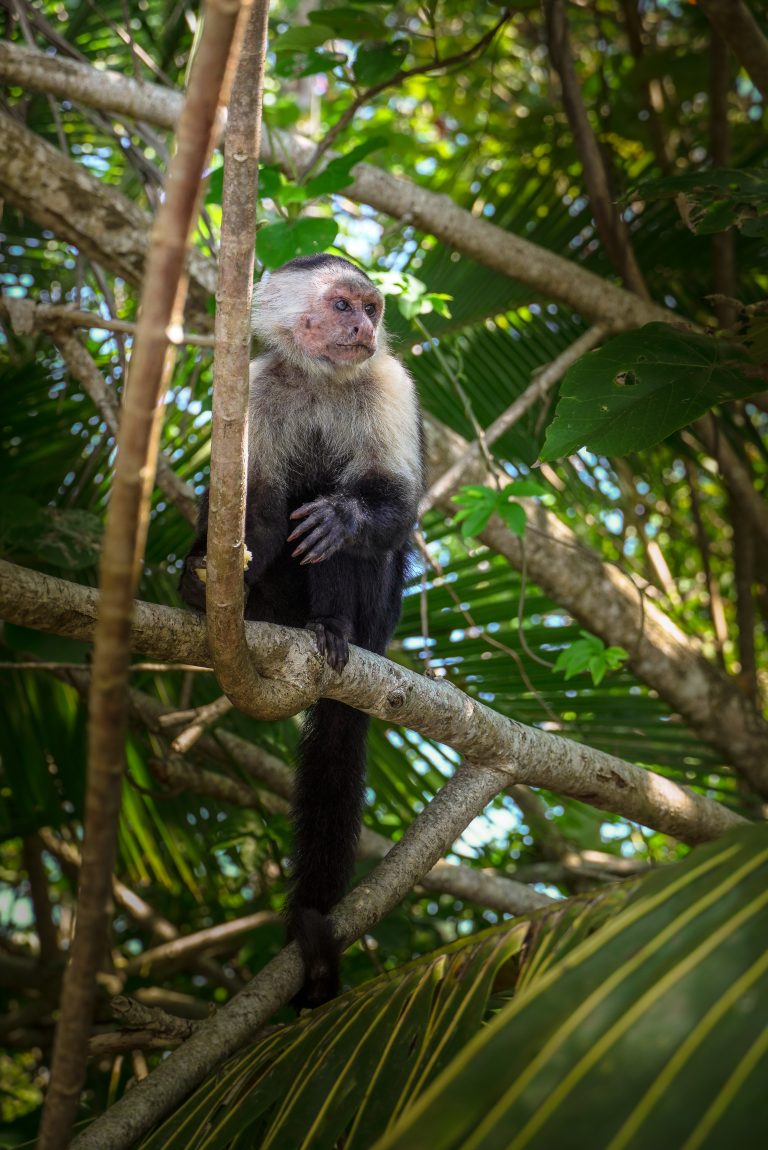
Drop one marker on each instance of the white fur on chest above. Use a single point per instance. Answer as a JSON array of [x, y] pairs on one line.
[[372, 417]]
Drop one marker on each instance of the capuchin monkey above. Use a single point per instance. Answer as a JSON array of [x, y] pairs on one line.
[[335, 474]]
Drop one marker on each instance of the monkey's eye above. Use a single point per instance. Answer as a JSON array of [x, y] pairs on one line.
[[370, 309], [341, 305]]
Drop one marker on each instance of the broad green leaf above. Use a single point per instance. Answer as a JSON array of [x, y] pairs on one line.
[[355, 1061], [513, 515], [350, 23], [641, 386], [278, 243], [338, 173], [377, 63], [622, 1045], [715, 200], [303, 38]]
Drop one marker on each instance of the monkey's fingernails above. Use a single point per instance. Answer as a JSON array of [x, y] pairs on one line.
[[305, 509]]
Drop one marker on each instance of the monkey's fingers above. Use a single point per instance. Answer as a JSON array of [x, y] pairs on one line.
[[317, 506], [315, 537], [324, 542], [319, 516]]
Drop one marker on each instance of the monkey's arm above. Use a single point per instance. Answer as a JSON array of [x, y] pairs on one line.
[[265, 519], [374, 516]]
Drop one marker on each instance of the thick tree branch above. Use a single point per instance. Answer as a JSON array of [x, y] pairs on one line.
[[163, 297], [544, 272], [229, 437], [93, 87], [733, 20], [608, 602], [484, 887], [375, 685], [96, 218]]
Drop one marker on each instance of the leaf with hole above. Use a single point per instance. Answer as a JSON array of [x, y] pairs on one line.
[[641, 386]]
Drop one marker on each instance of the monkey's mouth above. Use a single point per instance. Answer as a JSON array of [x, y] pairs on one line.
[[356, 348]]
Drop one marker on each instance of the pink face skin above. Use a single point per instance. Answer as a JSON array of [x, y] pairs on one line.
[[342, 328]]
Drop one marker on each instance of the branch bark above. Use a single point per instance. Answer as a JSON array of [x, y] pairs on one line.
[[229, 437], [375, 685], [610, 226], [546, 273], [608, 602], [96, 218], [163, 302], [484, 887], [733, 20]]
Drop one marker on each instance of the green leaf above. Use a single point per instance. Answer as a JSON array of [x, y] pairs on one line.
[[622, 1044], [379, 62], [350, 23], [715, 200], [641, 386], [589, 653], [294, 65], [270, 182], [278, 243], [513, 515], [303, 38], [338, 173]]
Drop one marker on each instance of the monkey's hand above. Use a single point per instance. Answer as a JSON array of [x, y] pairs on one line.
[[332, 636], [325, 529], [192, 582]]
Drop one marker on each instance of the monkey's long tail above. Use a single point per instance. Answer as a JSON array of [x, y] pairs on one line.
[[330, 787]]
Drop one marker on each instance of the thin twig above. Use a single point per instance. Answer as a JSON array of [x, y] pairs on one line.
[[395, 81], [545, 379]]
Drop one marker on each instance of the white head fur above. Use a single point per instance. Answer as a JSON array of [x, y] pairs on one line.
[[294, 305]]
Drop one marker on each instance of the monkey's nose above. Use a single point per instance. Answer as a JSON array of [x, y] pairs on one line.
[[355, 330]]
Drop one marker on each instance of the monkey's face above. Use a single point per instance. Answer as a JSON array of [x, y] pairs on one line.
[[342, 328]]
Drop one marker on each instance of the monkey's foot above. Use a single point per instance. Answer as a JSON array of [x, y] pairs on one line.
[[324, 530], [332, 637]]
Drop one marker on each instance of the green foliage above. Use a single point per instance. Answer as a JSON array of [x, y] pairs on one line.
[[622, 1044], [599, 1019], [478, 503], [665, 518], [411, 295], [376, 62], [715, 200], [590, 654], [280, 242], [641, 386], [49, 536]]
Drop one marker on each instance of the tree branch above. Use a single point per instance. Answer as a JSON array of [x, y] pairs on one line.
[[162, 304], [373, 684], [546, 273], [236, 674], [96, 218], [733, 20], [610, 225], [431, 833]]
